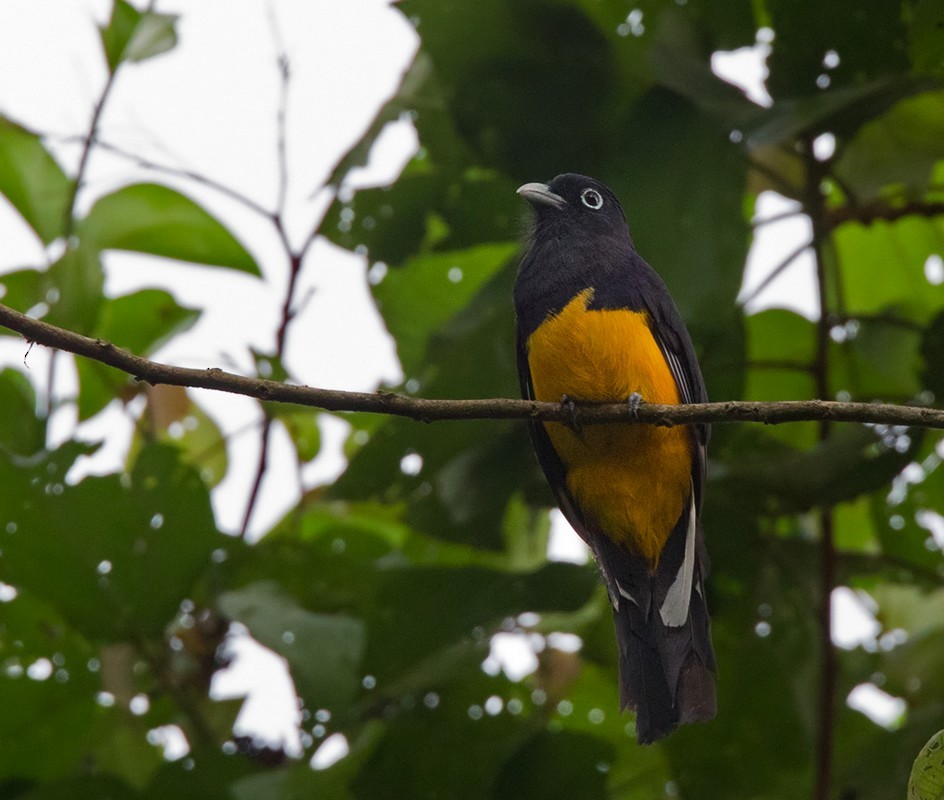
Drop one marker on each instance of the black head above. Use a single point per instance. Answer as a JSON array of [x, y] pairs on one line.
[[576, 202]]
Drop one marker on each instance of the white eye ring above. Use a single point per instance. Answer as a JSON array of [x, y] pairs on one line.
[[592, 199]]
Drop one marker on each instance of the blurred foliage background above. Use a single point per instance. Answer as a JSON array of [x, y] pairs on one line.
[[383, 590]]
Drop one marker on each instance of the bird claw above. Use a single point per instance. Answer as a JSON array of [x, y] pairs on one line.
[[635, 401], [570, 409]]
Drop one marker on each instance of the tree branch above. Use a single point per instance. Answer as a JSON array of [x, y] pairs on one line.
[[433, 410], [815, 205], [880, 212]]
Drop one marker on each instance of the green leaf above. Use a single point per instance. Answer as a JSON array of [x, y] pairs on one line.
[[76, 293], [202, 445], [22, 431], [696, 221], [927, 774], [85, 786], [438, 606], [116, 35], [869, 37], [881, 266], [851, 462], [324, 651], [419, 297], [140, 322], [417, 755], [155, 219], [175, 419], [145, 320], [898, 150], [880, 361], [908, 608], [841, 110], [22, 291], [50, 719], [133, 35], [932, 356], [899, 514], [115, 557], [926, 36], [32, 181], [154, 34], [530, 86], [302, 427], [47, 727], [99, 384], [853, 528], [681, 63], [556, 765], [780, 352]]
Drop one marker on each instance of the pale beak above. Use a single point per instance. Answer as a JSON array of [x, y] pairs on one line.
[[540, 194]]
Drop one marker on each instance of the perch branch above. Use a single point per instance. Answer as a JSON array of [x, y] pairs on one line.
[[433, 410]]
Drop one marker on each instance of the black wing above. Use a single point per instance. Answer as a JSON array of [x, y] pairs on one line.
[[671, 335]]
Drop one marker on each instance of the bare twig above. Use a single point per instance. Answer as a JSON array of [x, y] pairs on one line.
[[88, 143], [187, 174], [779, 217], [432, 410], [775, 273], [295, 265]]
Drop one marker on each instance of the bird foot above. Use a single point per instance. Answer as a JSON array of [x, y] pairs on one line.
[[635, 401], [570, 409]]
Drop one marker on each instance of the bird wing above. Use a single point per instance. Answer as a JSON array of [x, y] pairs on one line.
[[671, 335]]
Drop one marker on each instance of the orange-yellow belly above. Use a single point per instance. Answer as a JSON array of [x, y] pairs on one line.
[[632, 480]]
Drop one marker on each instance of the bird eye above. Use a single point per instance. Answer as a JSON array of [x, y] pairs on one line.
[[592, 199]]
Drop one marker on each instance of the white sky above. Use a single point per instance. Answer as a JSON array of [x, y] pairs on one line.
[[210, 106]]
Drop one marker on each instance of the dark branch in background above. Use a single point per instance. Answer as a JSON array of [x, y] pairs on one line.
[[429, 410], [880, 213], [815, 204]]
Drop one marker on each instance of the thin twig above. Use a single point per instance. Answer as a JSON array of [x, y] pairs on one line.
[[260, 474], [196, 177], [295, 259], [433, 410], [786, 262], [88, 143], [779, 217], [68, 222]]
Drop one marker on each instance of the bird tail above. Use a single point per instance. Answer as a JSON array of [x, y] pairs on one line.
[[666, 661]]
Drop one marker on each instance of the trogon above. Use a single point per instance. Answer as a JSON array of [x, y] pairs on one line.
[[596, 324]]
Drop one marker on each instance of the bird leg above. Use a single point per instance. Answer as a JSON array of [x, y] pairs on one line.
[[635, 400]]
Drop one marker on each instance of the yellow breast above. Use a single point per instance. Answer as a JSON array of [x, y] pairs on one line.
[[632, 480]]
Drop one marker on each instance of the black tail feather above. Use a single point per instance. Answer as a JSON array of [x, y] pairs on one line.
[[666, 673]]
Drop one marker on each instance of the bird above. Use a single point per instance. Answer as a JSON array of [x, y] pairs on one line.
[[596, 324]]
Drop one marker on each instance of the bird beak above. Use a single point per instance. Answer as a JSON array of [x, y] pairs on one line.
[[540, 194]]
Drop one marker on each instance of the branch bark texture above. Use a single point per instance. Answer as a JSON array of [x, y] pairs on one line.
[[434, 410]]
